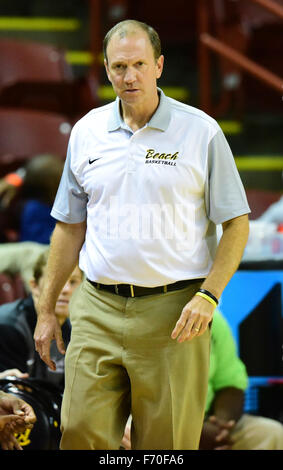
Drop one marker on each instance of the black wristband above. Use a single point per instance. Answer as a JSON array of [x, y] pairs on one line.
[[206, 292]]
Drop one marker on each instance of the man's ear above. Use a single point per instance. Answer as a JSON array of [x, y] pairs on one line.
[[159, 66], [107, 69]]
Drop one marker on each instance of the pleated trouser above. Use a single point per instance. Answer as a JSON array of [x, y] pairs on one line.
[[122, 360]]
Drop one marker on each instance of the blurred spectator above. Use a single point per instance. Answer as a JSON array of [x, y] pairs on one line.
[[20, 258], [225, 425], [39, 188], [274, 213], [9, 186], [17, 324], [266, 235], [27, 198]]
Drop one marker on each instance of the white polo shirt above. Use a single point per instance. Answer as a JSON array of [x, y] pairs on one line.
[[152, 198]]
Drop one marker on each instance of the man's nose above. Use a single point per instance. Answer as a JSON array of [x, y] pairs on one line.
[[130, 75]]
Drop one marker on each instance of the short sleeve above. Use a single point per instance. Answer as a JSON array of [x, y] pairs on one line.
[[71, 200], [225, 196]]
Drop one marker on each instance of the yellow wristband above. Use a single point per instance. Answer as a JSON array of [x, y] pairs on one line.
[[207, 298]]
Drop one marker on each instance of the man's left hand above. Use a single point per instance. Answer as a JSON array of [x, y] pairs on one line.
[[194, 319]]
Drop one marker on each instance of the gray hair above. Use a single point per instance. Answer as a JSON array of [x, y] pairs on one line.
[[129, 26]]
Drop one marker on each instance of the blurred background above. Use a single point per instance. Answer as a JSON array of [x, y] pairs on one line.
[[222, 56]]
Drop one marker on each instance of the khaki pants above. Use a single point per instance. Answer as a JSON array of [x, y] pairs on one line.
[[122, 360], [257, 433]]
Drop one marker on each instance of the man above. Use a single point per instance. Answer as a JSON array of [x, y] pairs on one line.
[[140, 195], [17, 323], [15, 417]]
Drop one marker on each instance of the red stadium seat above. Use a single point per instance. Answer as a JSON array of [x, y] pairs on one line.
[[32, 61], [35, 75], [26, 133]]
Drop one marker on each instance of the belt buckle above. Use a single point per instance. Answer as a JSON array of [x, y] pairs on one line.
[[132, 292]]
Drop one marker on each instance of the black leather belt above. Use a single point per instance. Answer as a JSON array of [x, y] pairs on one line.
[[129, 290]]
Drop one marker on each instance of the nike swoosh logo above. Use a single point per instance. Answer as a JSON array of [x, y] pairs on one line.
[[92, 161]]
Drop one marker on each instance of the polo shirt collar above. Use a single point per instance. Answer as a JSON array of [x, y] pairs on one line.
[[160, 120]]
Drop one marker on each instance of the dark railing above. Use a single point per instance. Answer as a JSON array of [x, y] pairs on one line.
[[207, 42]]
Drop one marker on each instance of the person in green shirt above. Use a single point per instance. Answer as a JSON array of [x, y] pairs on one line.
[[226, 426]]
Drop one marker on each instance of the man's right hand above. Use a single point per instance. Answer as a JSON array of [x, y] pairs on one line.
[[47, 329]]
